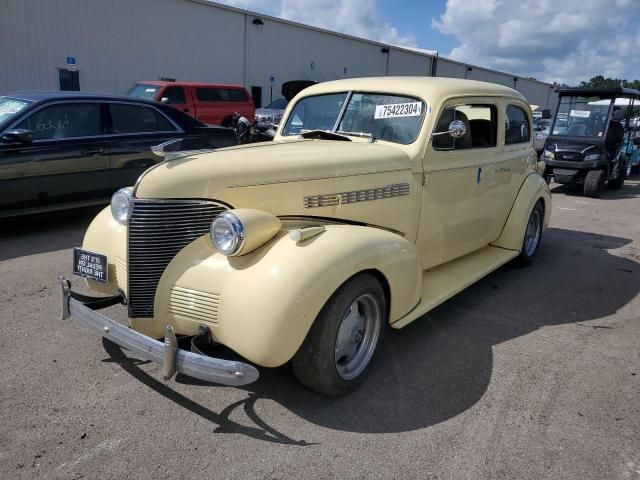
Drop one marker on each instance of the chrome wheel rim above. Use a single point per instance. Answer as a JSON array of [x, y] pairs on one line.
[[357, 336], [532, 235]]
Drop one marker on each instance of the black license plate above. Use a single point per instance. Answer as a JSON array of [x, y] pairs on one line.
[[90, 265]]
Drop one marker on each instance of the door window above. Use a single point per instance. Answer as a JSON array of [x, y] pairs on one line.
[[480, 121], [207, 94], [64, 120], [137, 119], [516, 126], [175, 95]]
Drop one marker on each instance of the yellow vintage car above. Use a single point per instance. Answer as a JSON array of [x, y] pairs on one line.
[[379, 199]]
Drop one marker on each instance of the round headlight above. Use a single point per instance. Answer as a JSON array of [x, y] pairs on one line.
[[227, 233], [121, 205], [550, 155]]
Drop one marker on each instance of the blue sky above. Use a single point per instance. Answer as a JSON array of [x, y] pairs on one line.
[[566, 41]]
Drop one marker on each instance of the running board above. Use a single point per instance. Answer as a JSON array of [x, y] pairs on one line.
[[444, 281]]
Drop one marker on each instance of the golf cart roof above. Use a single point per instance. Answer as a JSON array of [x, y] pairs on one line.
[[603, 92]]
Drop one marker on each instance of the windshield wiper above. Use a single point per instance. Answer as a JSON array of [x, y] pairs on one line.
[[370, 136], [323, 135]]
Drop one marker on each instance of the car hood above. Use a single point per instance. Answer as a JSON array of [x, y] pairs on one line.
[[559, 145], [276, 177]]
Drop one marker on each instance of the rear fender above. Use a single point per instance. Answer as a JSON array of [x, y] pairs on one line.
[[262, 305], [534, 188]]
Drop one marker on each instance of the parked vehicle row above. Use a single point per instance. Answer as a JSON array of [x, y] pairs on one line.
[[378, 199]]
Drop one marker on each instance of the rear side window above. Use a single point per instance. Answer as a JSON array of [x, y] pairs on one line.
[[208, 94], [480, 122], [64, 120], [174, 95], [516, 126], [138, 119]]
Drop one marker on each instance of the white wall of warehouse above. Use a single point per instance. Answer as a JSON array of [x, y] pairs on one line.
[[119, 42]]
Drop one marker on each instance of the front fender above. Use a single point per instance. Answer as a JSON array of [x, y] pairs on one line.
[[108, 237], [533, 188], [261, 305]]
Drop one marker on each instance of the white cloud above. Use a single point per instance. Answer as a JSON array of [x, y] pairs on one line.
[[565, 41], [359, 18]]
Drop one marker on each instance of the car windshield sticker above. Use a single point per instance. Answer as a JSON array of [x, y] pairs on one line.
[[396, 110], [11, 106], [149, 90], [580, 113]]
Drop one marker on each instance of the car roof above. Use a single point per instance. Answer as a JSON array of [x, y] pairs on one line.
[[584, 91], [161, 83], [431, 89], [53, 95]]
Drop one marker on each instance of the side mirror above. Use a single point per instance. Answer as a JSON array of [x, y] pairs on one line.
[[457, 129], [546, 113], [17, 135], [164, 100]]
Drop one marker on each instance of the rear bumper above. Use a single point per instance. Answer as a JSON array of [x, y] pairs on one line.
[[165, 353]]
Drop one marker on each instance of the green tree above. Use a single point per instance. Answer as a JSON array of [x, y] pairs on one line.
[[600, 82]]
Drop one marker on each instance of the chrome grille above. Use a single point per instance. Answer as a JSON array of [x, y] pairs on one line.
[[194, 304], [158, 230]]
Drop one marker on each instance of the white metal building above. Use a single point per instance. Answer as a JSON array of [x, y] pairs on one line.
[[115, 43]]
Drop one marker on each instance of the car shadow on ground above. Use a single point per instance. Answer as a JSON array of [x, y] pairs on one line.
[[631, 189], [41, 233], [441, 365]]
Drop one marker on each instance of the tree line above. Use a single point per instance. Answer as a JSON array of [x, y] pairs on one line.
[[600, 82]]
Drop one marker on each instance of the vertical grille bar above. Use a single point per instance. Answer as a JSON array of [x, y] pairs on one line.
[[158, 230]]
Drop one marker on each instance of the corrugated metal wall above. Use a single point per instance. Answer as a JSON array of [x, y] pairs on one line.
[[118, 42]]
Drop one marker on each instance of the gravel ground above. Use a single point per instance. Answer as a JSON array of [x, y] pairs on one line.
[[530, 373]]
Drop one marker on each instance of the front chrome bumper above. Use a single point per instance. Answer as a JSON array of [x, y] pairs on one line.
[[167, 353]]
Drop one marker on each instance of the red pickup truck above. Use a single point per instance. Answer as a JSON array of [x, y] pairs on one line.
[[208, 102]]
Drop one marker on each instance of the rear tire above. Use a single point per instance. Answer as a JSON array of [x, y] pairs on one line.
[[618, 182], [336, 354], [532, 236], [593, 183]]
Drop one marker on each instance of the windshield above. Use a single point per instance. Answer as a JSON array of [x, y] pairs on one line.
[[9, 107], [279, 104], [580, 116], [144, 90], [380, 116]]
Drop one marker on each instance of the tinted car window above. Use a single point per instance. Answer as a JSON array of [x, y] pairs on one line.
[[175, 95], [64, 120], [137, 119], [516, 126], [206, 94], [480, 122]]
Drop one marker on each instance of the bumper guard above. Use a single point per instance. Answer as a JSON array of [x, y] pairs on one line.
[[167, 353]]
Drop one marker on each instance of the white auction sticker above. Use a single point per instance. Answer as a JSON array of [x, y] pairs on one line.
[[580, 113], [395, 110]]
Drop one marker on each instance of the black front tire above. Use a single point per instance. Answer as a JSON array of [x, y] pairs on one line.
[[316, 364], [593, 183]]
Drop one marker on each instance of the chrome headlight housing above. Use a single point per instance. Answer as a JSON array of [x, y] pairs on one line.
[[121, 205], [227, 233], [549, 154], [592, 157]]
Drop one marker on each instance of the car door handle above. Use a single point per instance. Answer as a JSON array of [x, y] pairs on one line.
[[92, 151]]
